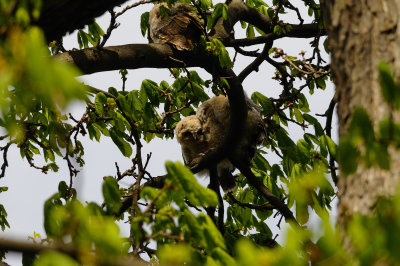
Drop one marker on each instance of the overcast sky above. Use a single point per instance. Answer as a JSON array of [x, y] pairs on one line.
[[29, 188]]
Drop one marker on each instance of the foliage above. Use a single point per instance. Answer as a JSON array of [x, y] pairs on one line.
[[172, 217]]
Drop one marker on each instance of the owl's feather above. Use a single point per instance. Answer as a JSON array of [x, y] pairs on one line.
[[206, 130], [214, 115], [181, 28]]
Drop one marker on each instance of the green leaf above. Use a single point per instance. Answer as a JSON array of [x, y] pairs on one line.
[[144, 22], [152, 91], [179, 175], [283, 139], [3, 216], [361, 126], [323, 146], [264, 101], [387, 83], [50, 257], [321, 82], [331, 146], [113, 91], [218, 10], [112, 196], [63, 189], [382, 156], [225, 11], [99, 101], [298, 115], [250, 31], [302, 214], [261, 163], [348, 156], [53, 215], [122, 145], [83, 40], [93, 132], [95, 32], [313, 121], [205, 4], [28, 258], [222, 53], [304, 151]]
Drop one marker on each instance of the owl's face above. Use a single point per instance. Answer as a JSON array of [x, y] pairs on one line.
[[189, 130]]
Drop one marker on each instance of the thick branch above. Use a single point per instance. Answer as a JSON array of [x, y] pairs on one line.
[[297, 31], [59, 17], [272, 199], [132, 56], [23, 246], [256, 63], [238, 10], [32, 248]]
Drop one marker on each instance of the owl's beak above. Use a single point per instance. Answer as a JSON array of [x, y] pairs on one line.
[[195, 136]]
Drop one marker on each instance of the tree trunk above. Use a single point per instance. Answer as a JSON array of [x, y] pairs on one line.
[[362, 34]]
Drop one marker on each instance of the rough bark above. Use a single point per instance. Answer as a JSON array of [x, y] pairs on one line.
[[133, 56], [362, 34]]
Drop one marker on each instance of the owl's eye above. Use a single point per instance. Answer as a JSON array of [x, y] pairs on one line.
[[200, 132], [187, 134]]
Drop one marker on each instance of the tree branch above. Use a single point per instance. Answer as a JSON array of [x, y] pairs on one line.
[[256, 63], [60, 17], [257, 184], [132, 56], [238, 10], [297, 31]]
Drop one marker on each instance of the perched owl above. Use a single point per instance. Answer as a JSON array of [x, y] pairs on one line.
[[181, 27], [189, 132], [208, 128], [214, 115]]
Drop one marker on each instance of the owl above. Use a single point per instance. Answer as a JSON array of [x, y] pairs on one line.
[[204, 131], [190, 135], [195, 142], [181, 27], [214, 115]]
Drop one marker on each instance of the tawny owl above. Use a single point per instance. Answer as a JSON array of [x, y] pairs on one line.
[[214, 115], [205, 131], [181, 27], [189, 132]]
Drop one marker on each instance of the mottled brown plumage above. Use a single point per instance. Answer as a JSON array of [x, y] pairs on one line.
[[214, 115], [181, 27], [189, 133], [212, 120]]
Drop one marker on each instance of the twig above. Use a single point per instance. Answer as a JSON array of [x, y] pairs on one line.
[[328, 129], [134, 5], [276, 13], [110, 28], [290, 6], [263, 207], [29, 158], [153, 200], [72, 171], [5, 161], [256, 63], [167, 235]]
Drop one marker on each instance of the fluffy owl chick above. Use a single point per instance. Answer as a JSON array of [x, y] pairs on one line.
[[190, 135], [181, 27], [214, 115]]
